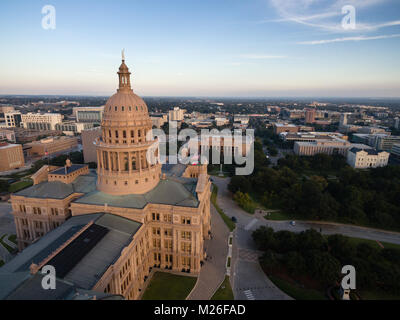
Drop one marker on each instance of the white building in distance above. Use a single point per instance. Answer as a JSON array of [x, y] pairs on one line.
[[176, 115], [41, 121], [367, 158]]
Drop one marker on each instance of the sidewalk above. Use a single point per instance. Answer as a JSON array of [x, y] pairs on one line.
[[213, 272]]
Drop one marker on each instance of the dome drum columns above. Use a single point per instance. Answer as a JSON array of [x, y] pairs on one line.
[[123, 167]]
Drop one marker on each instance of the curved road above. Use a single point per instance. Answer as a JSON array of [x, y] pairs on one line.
[[249, 281]]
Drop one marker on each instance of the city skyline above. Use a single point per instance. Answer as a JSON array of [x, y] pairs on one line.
[[255, 48]]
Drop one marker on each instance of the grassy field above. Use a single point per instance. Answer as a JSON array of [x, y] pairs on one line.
[[228, 221], [20, 185], [166, 286], [224, 292], [295, 291], [374, 244], [278, 216]]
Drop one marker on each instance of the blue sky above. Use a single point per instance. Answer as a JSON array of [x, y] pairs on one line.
[[262, 48]]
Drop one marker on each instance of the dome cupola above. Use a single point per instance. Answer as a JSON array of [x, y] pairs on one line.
[[123, 167]]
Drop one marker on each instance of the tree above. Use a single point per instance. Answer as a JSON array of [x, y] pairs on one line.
[[244, 201], [295, 263], [239, 183], [323, 266], [264, 238]]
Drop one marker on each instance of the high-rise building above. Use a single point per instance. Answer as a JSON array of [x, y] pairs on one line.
[[343, 119], [176, 115], [310, 115]]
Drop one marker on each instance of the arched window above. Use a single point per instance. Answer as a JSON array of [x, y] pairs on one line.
[[132, 134], [116, 134], [116, 108], [124, 134], [130, 108], [123, 108]]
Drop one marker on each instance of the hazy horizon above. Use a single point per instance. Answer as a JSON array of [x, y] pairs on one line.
[[225, 48]]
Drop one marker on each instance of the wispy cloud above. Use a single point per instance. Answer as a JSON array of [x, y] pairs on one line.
[[262, 56], [344, 39], [325, 15]]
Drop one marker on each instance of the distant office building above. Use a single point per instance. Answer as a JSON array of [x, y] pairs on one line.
[[221, 122], [343, 119], [367, 158], [310, 136], [88, 114], [7, 135], [159, 120], [6, 109], [11, 156], [24, 136], [383, 142], [281, 127], [371, 130], [396, 150], [89, 148], [329, 146], [13, 119], [396, 123], [51, 145], [73, 127], [310, 115], [176, 115], [41, 121], [293, 114]]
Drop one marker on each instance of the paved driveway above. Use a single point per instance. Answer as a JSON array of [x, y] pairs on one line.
[[249, 281], [214, 269], [7, 226]]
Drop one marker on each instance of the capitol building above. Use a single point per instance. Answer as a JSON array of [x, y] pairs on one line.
[[106, 231]]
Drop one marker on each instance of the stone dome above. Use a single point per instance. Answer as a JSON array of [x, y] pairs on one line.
[[125, 106]]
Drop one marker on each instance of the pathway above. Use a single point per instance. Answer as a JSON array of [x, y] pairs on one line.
[[213, 272]]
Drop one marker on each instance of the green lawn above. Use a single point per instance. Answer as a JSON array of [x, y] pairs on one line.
[[278, 216], [228, 221], [20, 185], [224, 292], [166, 286], [373, 243], [295, 291]]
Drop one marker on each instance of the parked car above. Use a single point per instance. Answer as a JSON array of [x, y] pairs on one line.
[[293, 223]]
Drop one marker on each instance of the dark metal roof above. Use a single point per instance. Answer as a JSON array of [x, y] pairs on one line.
[[70, 256]]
